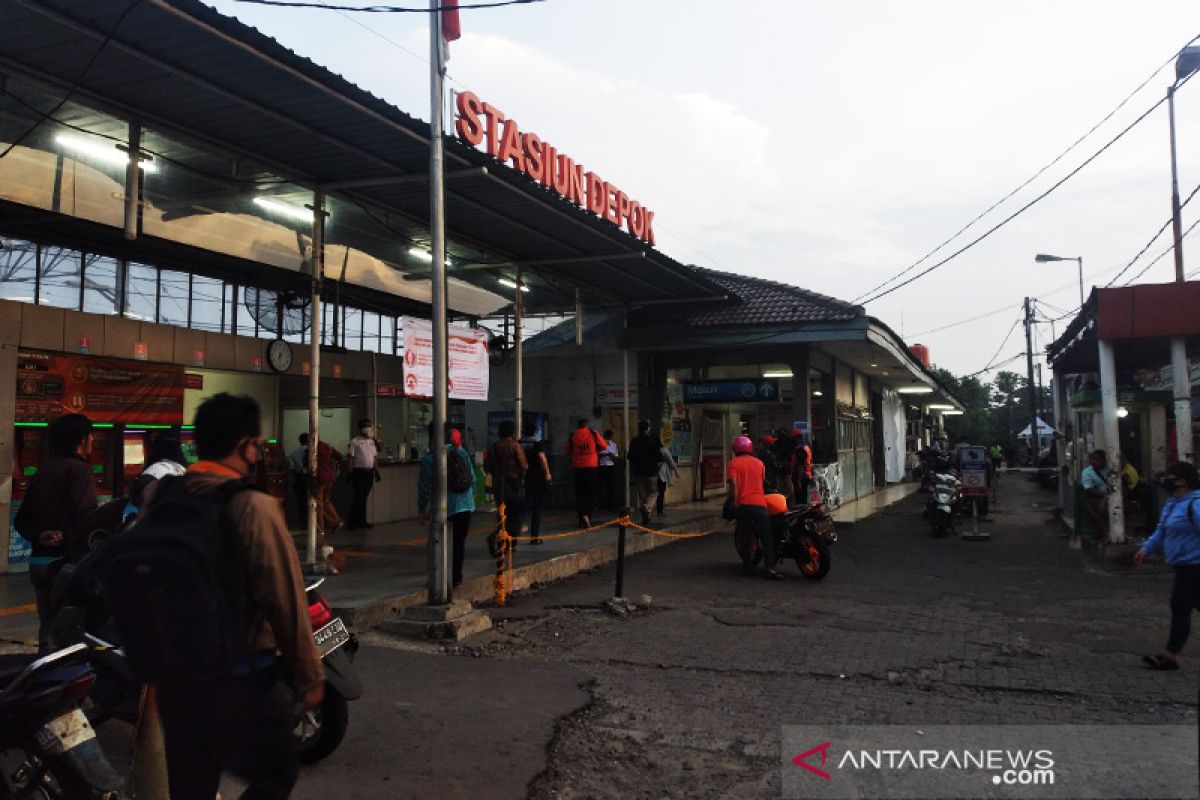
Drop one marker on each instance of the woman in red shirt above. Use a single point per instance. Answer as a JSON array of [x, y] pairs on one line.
[[746, 474]]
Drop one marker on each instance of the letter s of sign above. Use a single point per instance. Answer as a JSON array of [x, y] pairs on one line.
[[469, 128], [531, 143]]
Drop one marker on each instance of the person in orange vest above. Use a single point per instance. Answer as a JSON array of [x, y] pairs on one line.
[[583, 448], [802, 467]]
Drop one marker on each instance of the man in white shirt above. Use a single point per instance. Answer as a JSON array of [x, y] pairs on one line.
[[363, 456]]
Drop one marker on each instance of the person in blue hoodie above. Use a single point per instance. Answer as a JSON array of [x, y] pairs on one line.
[[459, 505], [1177, 537]]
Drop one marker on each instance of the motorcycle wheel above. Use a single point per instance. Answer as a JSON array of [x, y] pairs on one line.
[[319, 732], [812, 555]]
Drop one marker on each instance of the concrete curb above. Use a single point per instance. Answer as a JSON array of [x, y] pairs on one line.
[[479, 590]]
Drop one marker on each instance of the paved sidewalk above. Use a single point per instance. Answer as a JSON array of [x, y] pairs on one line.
[[386, 565]]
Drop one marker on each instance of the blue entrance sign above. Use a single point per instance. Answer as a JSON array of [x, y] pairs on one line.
[[731, 391]]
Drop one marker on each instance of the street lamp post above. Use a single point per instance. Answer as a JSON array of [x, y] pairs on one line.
[[1042, 258], [1187, 63]]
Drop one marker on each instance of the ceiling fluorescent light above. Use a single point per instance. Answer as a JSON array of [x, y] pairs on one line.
[[420, 254], [285, 209], [511, 284], [817, 393], [915, 390], [951, 413], [101, 150], [941, 406], [777, 373]]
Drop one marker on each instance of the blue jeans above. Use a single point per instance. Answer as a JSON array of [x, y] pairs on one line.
[[754, 521]]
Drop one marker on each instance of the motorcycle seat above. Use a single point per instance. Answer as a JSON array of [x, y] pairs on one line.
[[12, 664]]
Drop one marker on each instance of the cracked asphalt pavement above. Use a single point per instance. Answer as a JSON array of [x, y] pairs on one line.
[[687, 697]]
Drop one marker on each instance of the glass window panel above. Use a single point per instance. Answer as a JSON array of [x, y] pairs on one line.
[[371, 331], [245, 313], [352, 339], [173, 298], [389, 344], [214, 201], [100, 294], [60, 277], [298, 332], [207, 297], [73, 171], [18, 270], [327, 323], [141, 285]]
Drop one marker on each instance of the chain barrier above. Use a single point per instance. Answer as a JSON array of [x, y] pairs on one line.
[[504, 542]]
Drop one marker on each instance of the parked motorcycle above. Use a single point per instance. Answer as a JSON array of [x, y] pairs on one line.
[[803, 534], [48, 748], [942, 507], [81, 619]]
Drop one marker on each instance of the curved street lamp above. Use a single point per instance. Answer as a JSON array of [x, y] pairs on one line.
[[1042, 258]]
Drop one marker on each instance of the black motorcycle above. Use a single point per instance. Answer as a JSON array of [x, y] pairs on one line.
[[48, 748], [803, 534], [82, 619]]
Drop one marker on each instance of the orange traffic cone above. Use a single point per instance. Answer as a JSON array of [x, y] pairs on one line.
[[148, 775]]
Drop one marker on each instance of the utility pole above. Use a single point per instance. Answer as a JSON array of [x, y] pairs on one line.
[[1033, 409]]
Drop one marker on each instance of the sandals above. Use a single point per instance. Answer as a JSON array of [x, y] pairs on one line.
[[773, 575], [1160, 662]]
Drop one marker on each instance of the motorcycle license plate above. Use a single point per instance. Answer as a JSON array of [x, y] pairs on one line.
[[65, 732], [331, 636]]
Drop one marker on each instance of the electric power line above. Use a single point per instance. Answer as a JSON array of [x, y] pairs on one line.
[[1153, 239], [1023, 208], [975, 318], [996, 355], [995, 366], [1032, 178], [1160, 256]]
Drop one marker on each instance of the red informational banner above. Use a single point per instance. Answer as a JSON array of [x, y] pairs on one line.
[[468, 356], [105, 389]]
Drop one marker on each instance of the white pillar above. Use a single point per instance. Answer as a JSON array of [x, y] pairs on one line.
[[1112, 441], [1181, 387]]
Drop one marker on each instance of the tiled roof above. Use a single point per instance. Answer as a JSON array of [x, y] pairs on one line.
[[764, 302]]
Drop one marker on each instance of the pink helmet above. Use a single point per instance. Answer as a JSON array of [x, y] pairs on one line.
[[742, 444]]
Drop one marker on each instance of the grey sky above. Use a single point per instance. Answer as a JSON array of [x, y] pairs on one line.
[[831, 144]]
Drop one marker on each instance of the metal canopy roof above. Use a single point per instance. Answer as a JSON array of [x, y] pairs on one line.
[[184, 68]]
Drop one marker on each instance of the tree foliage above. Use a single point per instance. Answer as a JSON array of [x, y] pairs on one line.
[[996, 411]]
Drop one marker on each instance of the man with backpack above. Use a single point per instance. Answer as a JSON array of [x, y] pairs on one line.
[[460, 499], [1177, 537], [204, 590]]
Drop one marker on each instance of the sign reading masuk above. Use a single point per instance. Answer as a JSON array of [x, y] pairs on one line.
[[541, 161], [468, 379]]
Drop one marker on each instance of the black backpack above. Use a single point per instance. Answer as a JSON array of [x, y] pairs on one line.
[[176, 586], [459, 475]]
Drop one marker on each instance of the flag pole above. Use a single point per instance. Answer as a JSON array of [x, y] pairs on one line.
[[437, 574]]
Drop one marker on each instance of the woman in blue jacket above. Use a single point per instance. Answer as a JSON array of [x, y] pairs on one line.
[[459, 505], [1177, 537]]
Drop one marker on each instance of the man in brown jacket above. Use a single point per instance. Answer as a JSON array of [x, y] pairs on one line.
[[243, 722], [505, 461]]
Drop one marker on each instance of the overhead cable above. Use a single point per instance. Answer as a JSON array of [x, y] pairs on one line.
[[975, 318], [1023, 208], [1153, 239], [1032, 178]]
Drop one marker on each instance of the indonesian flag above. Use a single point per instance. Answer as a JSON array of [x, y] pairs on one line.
[[450, 26]]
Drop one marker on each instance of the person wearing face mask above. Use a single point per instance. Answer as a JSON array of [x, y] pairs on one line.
[[363, 455], [1177, 537], [242, 721]]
